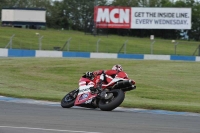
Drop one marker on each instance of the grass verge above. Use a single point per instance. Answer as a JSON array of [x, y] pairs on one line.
[[168, 85]]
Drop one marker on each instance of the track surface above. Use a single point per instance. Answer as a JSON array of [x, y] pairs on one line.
[[42, 118]]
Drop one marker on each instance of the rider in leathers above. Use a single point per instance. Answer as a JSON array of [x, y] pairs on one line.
[[109, 74]]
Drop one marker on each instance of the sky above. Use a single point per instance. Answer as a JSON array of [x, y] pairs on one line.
[[109, 0]]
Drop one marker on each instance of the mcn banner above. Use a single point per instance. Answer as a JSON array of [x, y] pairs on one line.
[[142, 17]]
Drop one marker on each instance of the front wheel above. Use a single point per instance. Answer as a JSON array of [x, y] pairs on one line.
[[69, 99], [114, 102]]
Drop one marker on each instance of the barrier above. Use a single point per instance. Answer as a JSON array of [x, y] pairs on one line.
[[103, 55], [3, 52], [21, 53], [131, 56], [41, 53], [186, 58], [76, 54]]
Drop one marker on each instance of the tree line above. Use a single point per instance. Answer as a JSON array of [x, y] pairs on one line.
[[72, 14]]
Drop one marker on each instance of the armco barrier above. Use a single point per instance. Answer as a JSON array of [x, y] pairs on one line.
[[3, 52], [41, 53], [21, 53], [131, 56], [186, 58], [76, 54]]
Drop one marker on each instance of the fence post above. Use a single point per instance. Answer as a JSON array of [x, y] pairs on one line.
[[10, 42], [175, 44], [125, 46], [98, 45], [152, 42], [199, 50], [66, 43], [40, 42]]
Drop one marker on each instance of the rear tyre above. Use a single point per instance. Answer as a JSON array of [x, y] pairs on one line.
[[69, 99], [114, 102]]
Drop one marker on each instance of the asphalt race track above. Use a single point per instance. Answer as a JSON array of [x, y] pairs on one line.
[[19, 117]]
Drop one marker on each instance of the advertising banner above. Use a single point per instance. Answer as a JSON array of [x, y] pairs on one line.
[[142, 17]]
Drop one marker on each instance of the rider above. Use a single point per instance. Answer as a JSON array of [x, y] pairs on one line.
[[109, 74]]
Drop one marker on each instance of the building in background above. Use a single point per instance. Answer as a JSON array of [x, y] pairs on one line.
[[33, 18]]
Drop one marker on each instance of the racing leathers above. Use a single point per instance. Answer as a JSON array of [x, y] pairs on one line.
[[106, 76]]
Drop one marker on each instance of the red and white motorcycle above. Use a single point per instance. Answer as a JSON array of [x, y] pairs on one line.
[[84, 97]]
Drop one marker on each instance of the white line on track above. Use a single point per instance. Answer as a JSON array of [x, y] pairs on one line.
[[44, 129]]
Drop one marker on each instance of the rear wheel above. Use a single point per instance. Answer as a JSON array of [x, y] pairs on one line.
[[113, 102], [69, 99]]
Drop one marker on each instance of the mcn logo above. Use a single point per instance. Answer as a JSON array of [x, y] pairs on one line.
[[142, 17], [111, 17]]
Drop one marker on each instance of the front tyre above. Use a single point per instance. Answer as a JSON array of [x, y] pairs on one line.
[[69, 99], [114, 102]]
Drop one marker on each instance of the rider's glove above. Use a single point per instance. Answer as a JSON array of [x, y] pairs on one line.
[[89, 75]]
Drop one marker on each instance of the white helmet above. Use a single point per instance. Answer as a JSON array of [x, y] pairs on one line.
[[117, 68]]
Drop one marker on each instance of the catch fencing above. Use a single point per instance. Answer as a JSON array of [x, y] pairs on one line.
[[103, 44]]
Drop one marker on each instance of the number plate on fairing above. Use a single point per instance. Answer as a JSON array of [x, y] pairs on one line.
[[83, 96]]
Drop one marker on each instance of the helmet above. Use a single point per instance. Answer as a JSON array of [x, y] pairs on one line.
[[117, 68]]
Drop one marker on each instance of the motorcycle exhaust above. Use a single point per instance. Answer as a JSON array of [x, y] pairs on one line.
[[123, 84]]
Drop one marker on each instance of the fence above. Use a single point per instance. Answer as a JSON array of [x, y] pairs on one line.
[[157, 47], [93, 28], [99, 44]]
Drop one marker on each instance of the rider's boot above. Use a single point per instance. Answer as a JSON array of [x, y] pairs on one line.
[[93, 90], [103, 92]]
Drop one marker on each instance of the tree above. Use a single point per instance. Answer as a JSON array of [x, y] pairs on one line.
[[77, 12], [194, 33], [129, 3]]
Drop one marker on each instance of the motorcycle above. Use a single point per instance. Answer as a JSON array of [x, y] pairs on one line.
[[114, 96]]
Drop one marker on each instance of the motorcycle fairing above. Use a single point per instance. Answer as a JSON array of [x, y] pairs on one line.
[[84, 96]]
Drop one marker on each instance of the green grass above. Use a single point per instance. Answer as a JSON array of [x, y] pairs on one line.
[[27, 39], [167, 85]]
